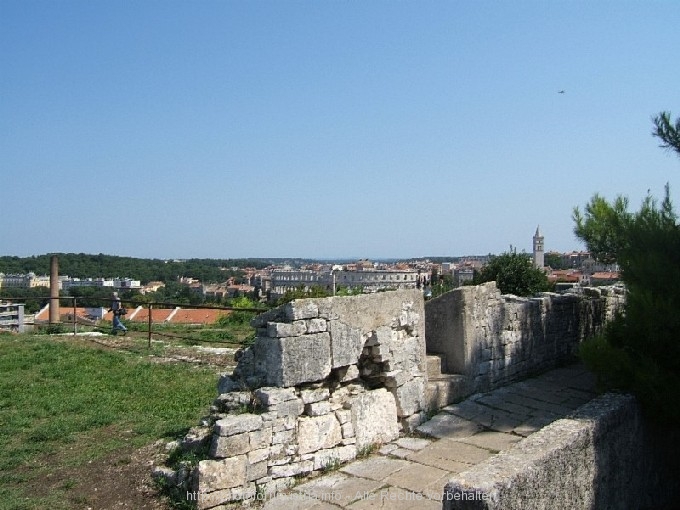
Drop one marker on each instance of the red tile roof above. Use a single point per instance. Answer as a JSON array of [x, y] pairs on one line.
[[171, 315]]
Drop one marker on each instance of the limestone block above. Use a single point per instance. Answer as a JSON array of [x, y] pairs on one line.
[[326, 310], [237, 424], [374, 417], [342, 454], [285, 423], [262, 361], [346, 344], [283, 437], [283, 329], [396, 378], [410, 397], [274, 487], [343, 416], [277, 453], [301, 309], [232, 401], [346, 374], [289, 408], [273, 396], [384, 335], [260, 438], [318, 408], [293, 469], [347, 430], [196, 438], [255, 471], [273, 315], [256, 456], [310, 396], [410, 423], [316, 325], [229, 446], [318, 432], [304, 359], [221, 474]]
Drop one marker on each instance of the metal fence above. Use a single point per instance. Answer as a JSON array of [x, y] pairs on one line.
[[150, 306]]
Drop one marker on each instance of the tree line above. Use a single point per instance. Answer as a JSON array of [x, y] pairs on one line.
[[82, 265]]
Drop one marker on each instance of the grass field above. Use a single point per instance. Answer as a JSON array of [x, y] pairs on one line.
[[66, 404]]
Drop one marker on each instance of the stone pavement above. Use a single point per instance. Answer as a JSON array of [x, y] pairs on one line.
[[412, 471]]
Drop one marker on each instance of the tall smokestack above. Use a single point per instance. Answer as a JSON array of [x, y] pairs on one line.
[[54, 290]]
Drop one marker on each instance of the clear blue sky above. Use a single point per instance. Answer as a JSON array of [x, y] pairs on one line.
[[377, 129]]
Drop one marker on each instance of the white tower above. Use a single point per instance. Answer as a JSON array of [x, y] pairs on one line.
[[539, 259]]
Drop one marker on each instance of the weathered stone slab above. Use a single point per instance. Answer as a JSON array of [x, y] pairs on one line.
[[375, 468], [416, 477], [221, 474], [316, 325], [318, 433], [309, 396], [260, 438], [337, 488], [237, 424], [346, 344], [395, 498], [410, 397], [374, 418], [492, 441], [284, 329], [301, 309], [272, 396], [305, 359], [413, 443], [318, 408], [449, 426], [324, 459], [297, 501], [228, 446], [459, 451]]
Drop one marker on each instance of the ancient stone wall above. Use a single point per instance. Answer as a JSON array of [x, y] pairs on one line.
[[325, 380], [495, 339], [603, 456]]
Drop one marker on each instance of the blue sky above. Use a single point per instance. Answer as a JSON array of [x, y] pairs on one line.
[[379, 129]]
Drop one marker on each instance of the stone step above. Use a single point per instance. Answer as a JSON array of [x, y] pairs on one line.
[[445, 389], [434, 365]]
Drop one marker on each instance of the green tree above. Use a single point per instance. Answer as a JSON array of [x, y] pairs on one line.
[[554, 260], [514, 274], [668, 133], [640, 349]]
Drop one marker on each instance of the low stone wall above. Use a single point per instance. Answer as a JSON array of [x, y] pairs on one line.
[[324, 381], [495, 339], [601, 457]]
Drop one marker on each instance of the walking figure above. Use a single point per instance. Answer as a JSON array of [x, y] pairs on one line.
[[118, 311]]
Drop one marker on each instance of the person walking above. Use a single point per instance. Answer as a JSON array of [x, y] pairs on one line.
[[118, 311]]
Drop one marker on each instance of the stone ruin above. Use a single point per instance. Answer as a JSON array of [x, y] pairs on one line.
[[324, 382], [328, 379]]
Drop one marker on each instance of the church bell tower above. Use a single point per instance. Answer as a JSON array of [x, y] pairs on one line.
[[539, 258]]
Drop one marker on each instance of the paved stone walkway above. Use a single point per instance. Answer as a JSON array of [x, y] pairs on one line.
[[412, 471]]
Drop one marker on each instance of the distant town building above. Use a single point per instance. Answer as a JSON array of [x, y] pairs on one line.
[[371, 280], [23, 281], [463, 275], [115, 283]]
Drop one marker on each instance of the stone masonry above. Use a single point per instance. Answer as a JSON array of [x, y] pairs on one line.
[[495, 339], [325, 380], [328, 379]]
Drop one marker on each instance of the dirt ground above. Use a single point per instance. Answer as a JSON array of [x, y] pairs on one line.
[[120, 480]]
